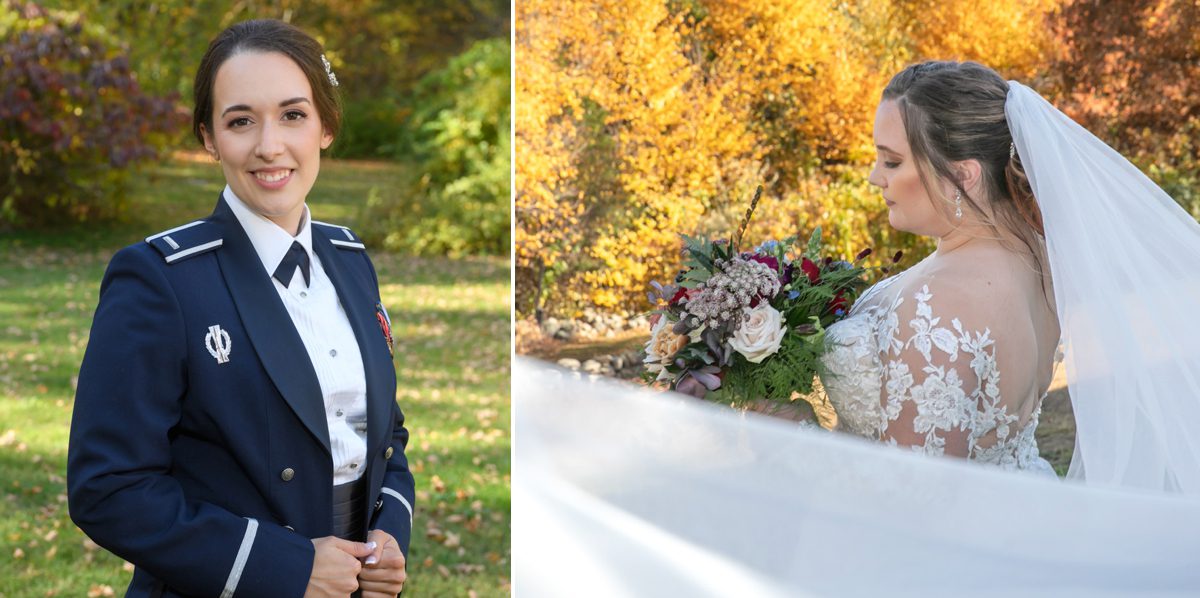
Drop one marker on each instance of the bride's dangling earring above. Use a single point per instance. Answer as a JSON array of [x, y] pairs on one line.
[[958, 204]]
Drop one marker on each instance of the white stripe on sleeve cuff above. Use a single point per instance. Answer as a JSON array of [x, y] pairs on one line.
[[235, 574], [403, 501]]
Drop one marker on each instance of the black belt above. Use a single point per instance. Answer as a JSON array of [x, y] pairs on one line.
[[349, 510]]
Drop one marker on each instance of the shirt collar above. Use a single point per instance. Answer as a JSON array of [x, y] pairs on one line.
[[270, 241]]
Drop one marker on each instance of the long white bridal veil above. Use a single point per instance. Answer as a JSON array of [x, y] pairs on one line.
[[619, 491], [1125, 260]]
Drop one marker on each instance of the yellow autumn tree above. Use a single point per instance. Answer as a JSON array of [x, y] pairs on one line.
[[650, 140], [641, 119]]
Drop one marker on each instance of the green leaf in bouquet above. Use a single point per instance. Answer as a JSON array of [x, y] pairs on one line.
[[813, 252], [792, 369], [699, 253]]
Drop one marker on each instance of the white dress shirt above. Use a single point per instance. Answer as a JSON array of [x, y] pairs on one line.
[[325, 329]]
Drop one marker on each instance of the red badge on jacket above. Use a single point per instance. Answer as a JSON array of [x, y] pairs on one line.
[[385, 324]]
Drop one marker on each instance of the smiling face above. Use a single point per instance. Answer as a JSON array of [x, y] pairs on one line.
[[910, 207], [267, 134]]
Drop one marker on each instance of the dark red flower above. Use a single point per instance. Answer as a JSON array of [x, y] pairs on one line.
[[862, 254], [680, 294], [811, 270], [839, 301], [768, 260]]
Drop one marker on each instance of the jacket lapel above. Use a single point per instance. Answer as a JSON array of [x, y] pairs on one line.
[[269, 326], [358, 299]]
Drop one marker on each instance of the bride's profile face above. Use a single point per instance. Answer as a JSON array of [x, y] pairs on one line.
[[910, 208]]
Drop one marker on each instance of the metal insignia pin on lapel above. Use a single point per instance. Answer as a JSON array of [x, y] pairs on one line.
[[218, 344]]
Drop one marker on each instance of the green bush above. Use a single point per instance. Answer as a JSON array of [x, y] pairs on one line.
[[370, 128], [457, 202], [73, 120]]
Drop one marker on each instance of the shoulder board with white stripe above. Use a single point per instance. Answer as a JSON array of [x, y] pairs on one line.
[[340, 236], [186, 241]]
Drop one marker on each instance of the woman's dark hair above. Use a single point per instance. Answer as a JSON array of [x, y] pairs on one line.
[[266, 35], [954, 111]]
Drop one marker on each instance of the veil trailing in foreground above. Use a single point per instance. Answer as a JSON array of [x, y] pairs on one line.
[[1125, 260], [620, 491]]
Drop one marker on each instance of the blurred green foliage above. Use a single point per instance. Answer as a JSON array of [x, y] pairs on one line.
[[405, 101], [456, 203], [380, 49]]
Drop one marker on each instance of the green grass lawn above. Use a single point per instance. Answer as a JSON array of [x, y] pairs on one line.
[[451, 328]]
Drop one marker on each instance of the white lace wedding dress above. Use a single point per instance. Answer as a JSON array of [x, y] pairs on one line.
[[954, 356]]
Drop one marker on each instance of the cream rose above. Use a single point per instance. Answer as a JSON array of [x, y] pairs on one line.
[[760, 334], [663, 345]]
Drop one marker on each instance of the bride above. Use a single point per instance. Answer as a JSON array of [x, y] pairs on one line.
[[1047, 238], [955, 355]]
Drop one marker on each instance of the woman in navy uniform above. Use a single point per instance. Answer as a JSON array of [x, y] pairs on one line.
[[235, 429]]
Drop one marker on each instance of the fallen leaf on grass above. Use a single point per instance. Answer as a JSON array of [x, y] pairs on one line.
[[435, 533], [96, 591]]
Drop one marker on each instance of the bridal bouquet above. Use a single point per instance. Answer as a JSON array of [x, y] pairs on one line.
[[739, 326]]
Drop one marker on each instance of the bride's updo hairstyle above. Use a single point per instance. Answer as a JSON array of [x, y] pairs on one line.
[[954, 111]]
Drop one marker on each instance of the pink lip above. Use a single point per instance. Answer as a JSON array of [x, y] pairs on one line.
[[273, 185]]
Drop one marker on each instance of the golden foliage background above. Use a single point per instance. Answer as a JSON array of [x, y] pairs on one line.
[[637, 120]]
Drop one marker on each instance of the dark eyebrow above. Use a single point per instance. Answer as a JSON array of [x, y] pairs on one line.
[[887, 149], [245, 108]]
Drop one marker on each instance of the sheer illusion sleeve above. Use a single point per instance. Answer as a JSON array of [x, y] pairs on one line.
[[959, 369]]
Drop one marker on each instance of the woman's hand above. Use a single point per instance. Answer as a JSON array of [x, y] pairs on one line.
[[797, 410], [335, 567], [383, 573]]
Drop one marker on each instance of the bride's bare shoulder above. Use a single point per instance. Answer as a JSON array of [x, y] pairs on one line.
[[983, 279]]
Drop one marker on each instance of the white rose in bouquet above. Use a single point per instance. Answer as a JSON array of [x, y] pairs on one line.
[[760, 334]]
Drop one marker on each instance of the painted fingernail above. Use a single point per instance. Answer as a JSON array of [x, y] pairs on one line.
[[370, 546], [371, 560]]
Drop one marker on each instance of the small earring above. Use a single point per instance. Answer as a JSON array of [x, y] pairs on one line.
[[958, 204]]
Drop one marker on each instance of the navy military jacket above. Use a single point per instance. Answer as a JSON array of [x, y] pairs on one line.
[[199, 447]]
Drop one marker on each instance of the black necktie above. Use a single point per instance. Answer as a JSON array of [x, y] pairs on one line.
[[296, 256]]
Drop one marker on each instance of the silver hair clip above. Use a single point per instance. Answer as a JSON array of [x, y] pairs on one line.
[[1012, 147], [329, 71]]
